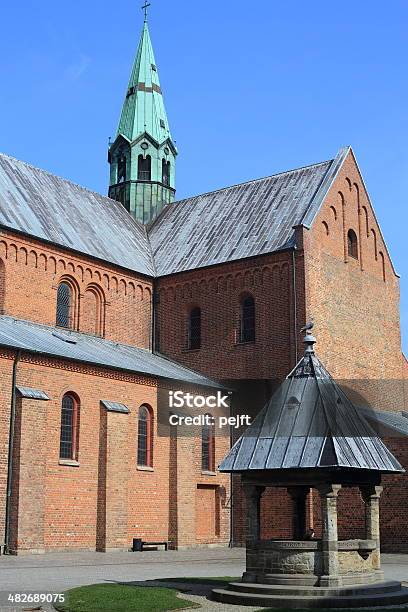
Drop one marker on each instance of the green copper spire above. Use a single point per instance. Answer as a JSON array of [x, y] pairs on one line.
[[143, 155]]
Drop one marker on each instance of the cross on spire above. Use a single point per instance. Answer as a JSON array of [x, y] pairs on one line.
[[144, 8]]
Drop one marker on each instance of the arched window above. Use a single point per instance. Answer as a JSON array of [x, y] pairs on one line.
[[92, 316], [352, 245], [144, 169], [122, 169], [145, 437], [69, 437], [64, 306], [208, 447], [194, 329], [247, 319], [165, 172]]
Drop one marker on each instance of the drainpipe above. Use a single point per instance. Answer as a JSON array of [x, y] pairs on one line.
[[10, 451], [294, 304]]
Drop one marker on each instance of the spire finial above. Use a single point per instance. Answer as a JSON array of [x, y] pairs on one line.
[[309, 339], [144, 8]]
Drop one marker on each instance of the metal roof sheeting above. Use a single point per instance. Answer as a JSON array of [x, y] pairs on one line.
[[310, 423], [237, 222], [395, 423], [43, 339], [115, 407], [29, 393], [51, 208]]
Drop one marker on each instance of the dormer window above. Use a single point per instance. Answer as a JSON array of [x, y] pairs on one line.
[[154, 68], [162, 124]]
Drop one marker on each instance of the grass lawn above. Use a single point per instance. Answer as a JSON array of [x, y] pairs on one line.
[[122, 598]]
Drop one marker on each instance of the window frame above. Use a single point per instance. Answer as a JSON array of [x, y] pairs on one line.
[[208, 447], [74, 427], [194, 329], [352, 244], [246, 331], [147, 460], [69, 317]]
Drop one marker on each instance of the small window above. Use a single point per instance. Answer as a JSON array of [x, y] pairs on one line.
[[194, 329], [145, 437], [69, 427], [154, 68], [247, 320], [122, 169], [165, 172], [144, 172], [208, 448], [162, 124], [352, 245], [64, 306]]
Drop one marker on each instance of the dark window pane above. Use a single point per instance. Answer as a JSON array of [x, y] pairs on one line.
[[63, 305], [194, 329], [207, 448], [247, 321], [165, 172], [67, 445], [352, 244], [121, 169], [144, 172], [144, 438]]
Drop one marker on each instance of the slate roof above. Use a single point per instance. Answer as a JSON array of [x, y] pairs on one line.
[[309, 423], [240, 221], [53, 209], [229, 224], [47, 340]]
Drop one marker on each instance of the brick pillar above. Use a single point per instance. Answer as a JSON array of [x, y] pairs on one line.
[[371, 496], [29, 471], [112, 517], [330, 561]]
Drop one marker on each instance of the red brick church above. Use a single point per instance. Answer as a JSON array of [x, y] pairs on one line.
[[106, 302]]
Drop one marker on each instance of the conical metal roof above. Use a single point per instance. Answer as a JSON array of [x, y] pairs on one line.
[[143, 109], [310, 423]]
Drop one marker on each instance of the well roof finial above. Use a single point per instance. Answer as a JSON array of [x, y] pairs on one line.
[[309, 340], [144, 8]]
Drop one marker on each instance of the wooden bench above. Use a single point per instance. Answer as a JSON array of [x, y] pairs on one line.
[[139, 544]]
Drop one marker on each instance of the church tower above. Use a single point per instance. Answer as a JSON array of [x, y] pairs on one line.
[[143, 155]]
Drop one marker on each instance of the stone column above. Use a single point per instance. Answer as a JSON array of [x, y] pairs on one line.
[[330, 562], [371, 496], [299, 497], [254, 564], [253, 495]]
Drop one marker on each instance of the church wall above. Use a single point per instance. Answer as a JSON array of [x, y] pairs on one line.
[[32, 273], [217, 291], [103, 500], [354, 302]]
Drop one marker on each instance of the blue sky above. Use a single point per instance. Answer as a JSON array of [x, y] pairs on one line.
[[250, 88]]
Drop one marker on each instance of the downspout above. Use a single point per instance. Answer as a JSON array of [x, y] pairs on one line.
[[10, 451], [295, 332]]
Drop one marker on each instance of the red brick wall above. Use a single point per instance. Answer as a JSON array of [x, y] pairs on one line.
[[217, 292], [103, 500], [110, 302]]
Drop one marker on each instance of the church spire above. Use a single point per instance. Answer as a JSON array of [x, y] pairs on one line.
[[143, 155]]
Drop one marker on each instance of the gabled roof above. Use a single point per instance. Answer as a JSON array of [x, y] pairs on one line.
[[45, 206], [310, 423], [143, 109], [47, 340], [240, 221], [234, 223]]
